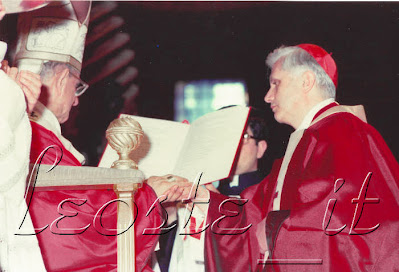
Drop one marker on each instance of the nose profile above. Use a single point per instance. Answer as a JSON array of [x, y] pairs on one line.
[[268, 97]]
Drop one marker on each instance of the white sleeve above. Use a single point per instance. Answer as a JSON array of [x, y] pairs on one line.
[[15, 132]]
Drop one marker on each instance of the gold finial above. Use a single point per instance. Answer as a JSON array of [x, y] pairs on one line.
[[124, 135]]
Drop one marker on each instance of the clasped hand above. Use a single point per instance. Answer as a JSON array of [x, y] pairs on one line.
[[171, 188]]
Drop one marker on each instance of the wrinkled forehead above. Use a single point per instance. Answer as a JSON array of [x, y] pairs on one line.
[[277, 70]]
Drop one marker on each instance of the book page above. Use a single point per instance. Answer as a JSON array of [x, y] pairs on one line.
[[211, 145], [159, 148]]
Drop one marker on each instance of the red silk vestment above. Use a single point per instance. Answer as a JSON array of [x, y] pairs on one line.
[[90, 250], [321, 223]]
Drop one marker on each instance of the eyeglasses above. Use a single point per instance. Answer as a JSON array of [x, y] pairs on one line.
[[80, 87], [246, 137]]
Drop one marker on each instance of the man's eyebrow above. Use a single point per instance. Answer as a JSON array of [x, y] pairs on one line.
[[273, 79]]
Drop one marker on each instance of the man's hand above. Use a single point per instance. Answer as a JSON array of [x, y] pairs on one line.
[[195, 192], [29, 83], [170, 186], [212, 188]]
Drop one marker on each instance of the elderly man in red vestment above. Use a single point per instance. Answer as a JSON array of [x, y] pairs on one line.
[[51, 43], [332, 202]]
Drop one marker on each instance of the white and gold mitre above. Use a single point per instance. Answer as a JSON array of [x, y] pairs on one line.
[[56, 32]]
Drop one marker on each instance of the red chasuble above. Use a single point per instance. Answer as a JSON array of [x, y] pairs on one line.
[[339, 207], [90, 250]]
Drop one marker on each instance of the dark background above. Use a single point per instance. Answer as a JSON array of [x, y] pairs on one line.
[[230, 40]]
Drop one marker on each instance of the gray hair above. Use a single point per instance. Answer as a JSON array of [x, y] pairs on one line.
[[49, 69], [297, 60]]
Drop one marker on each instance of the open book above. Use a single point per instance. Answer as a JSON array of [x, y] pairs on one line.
[[208, 145]]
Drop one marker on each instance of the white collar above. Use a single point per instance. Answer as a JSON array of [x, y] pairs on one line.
[[46, 118], [235, 181], [311, 114]]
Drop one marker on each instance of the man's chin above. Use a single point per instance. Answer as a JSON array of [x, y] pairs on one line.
[[282, 120], [63, 119], [278, 118]]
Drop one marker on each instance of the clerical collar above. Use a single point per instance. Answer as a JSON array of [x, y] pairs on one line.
[[310, 115], [235, 181], [254, 176]]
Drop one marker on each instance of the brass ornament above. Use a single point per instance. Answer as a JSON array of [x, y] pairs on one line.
[[124, 135]]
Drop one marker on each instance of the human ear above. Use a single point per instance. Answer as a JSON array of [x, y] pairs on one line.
[[262, 146], [308, 81], [62, 78]]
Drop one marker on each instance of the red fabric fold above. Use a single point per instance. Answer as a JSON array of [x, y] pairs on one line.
[[340, 146], [90, 250]]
